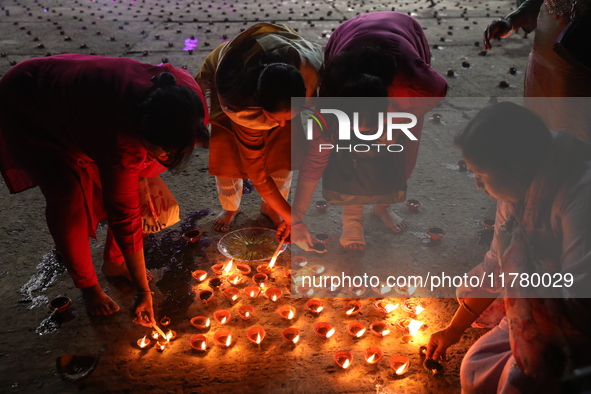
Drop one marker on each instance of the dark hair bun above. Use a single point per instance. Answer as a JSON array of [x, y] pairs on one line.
[[164, 79]]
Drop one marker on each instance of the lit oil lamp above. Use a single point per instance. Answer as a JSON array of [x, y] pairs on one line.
[[244, 269], [256, 335], [291, 335], [165, 321], [214, 283], [199, 342], [199, 275], [317, 269], [399, 364], [379, 329], [343, 359], [264, 269], [305, 291], [245, 312], [161, 345], [315, 306], [144, 342], [413, 205], [274, 293], [170, 336], [260, 279], [286, 311], [412, 306], [218, 269], [223, 337], [222, 316], [231, 293], [402, 324], [373, 355], [357, 291], [384, 306], [382, 289], [234, 279], [299, 261], [356, 329], [405, 291], [324, 330], [352, 308], [205, 296], [155, 334], [414, 326], [228, 267], [252, 291], [201, 322], [192, 236]]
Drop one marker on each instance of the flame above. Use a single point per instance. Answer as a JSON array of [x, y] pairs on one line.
[[390, 307], [351, 310], [291, 314], [252, 293], [346, 363], [144, 342], [330, 332], [259, 339], [310, 292], [411, 290], [262, 284], [228, 340], [296, 339], [319, 269], [161, 346], [247, 314], [419, 309], [319, 309], [207, 322], [385, 332], [385, 289], [223, 320], [274, 298], [360, 333], [203, 346], [228, 267], [168, 335], [202, 277], [402, 369], [371, 358], [273, 260], [414, 326], [234, 297], [155, 334]]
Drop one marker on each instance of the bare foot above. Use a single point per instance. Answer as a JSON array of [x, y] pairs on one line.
[[390, 219], [97, 302], [270, 213], [120, 269], [224, 220], [354, 246]]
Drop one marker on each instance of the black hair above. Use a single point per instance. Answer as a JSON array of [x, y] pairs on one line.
[[267, 81], [507, 138], [364, 71], [172, 118]]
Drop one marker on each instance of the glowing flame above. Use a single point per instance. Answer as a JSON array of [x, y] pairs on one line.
[[402, 369], [419, 309], [318, 309], [223, 320], [202, 277], [228, 340], [346, 363], [273, 260], [234, 297], [296, 339], [259, 339], [247, 314], [207, 322], [319, 269], [228, 267], [390, 307], [262, 284], [252, 293], [310, 292], [360, 333], [169, 335], [144, 342], [155, 334], [385, 332], [274, 298], [411, 290], [414, 326], [161, 346], [351, 309], [371, 358], [291, 314], [203, 346], [330, 333], [385, 289]]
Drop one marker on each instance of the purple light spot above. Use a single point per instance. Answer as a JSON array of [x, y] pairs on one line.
[[224, 39], [190, 44], [45, 10]]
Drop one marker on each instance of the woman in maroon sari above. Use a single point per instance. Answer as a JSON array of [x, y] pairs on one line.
[[84, 129]]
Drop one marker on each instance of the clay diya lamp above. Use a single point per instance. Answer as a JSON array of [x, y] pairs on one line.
[[192, 236], [170, 336], [260, 279], [144, 342], [402, 324], [218, 268], [59, 305], [165, 321], [161, 345], [413, 205], [214, 283], [434, 367], [379, 329], [356, 329], [317, 269], [223, 337], [412, 306], [414, 326], [273, 293], [222, 316], [244, 269], [358, 291], [300, 261], [405, 291], [305, 291], [231, 293], [436, 233], [199, 342], [324, 330], [462, 167], [256, 335], [252, 291], [373, 355], [286, 311], [199, 275], [264, 269], [352, 308], [384, 306], [319, 247], [488, 224], [382, 289], [321, 206], [205, 296], [437, 117], [245, 312], [291, 335], [234, 279], [399, 364], [315, 306], [323, 238], [343, 359], [200, 322]]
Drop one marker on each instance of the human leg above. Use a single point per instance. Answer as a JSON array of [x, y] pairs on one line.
[[353, 237], [230, 196], [390, 219]]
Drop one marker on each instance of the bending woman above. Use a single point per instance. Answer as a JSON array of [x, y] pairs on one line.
[[84, 129], [381, 54], [249, 82]]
